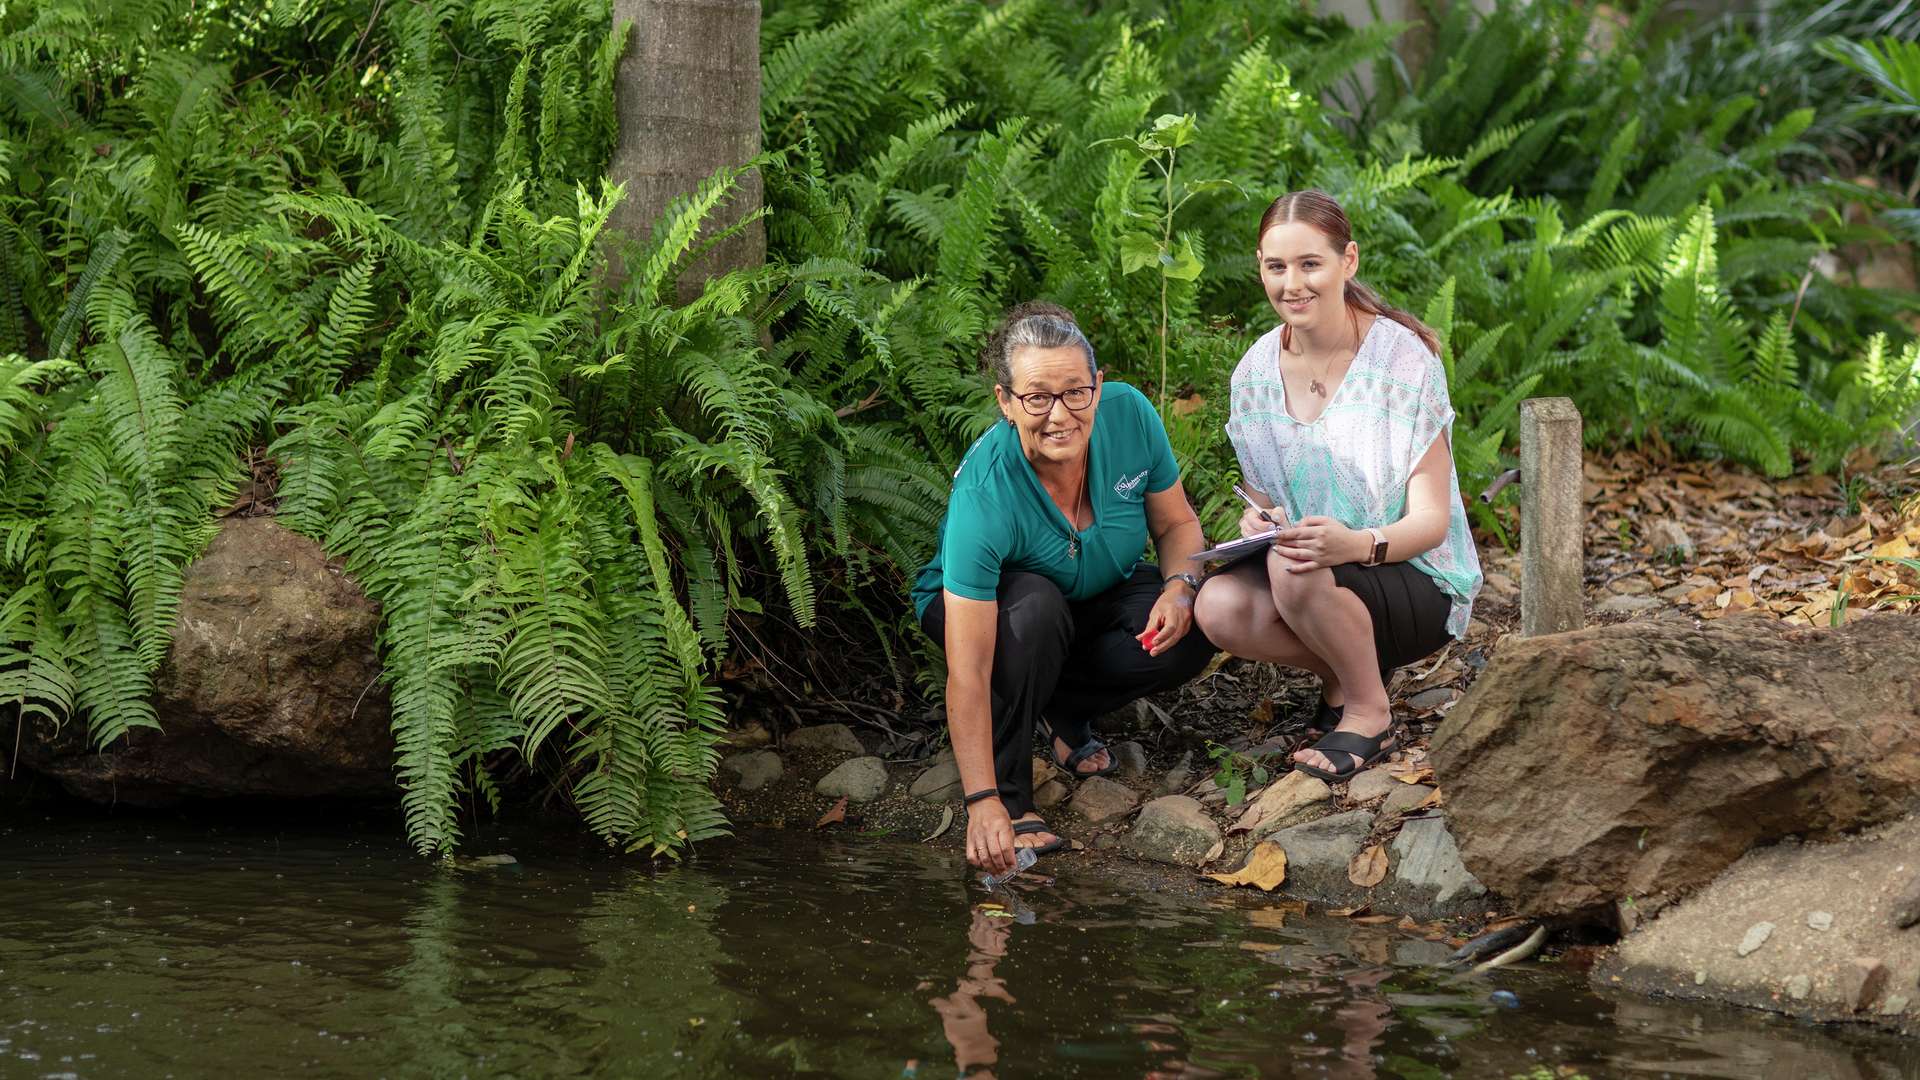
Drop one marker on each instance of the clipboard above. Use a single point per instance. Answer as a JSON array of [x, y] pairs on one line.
[[1236, 549]]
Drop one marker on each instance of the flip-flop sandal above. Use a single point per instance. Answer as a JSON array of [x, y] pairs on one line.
[[1078, 754], [1360, 749], [1028, 828]]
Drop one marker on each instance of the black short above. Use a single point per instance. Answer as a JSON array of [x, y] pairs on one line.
[[1409, 610]]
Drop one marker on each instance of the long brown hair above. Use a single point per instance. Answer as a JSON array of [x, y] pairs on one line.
[[1318, 209]]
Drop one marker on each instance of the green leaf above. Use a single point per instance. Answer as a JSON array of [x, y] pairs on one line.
[[1170, 132], [1139, 251]]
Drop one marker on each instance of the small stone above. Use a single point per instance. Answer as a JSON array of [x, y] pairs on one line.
[[1862, 981], [1432, 699], [1820, 920], [826, 738], [1049, 795], [1100, 799], [938, 784], [1627, 604], [1799, 987], [1173, 829], [1756, 936], [1179, 776], [1894, 1005], [1626, 917], [1699, 978], [860, 780], [753, 770], [1043, 771], [1375, 783], [1906, 907], [1499, 584], [1675, 592], [1319, 852], [1105, 842], [1669, 540], [1132, 758], [749, 736], [1426, 859], [1405, 797], [1287, 801]]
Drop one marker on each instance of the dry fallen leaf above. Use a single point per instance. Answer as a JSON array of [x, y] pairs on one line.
[[946, 822], [835, 816], [1349, 912], [1372, 920], [1369, 868], [1265, 868], [1214, 851]]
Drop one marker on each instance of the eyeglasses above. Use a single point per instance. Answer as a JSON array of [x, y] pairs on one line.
[[1041, 402]]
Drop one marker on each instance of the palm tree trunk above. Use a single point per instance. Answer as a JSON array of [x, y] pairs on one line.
[[688, 97]]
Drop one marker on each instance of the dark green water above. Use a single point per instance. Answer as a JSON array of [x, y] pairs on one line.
[[136, 948]]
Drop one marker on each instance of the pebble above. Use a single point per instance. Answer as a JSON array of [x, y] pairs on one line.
[[1757, 935], [1799, 987], [1820, 920], [1699, 978], [1506, 999], [1894, 1005], [1862, 981]]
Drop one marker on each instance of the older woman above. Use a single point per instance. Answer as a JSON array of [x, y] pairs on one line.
[[1342, 424], [1038, 593]]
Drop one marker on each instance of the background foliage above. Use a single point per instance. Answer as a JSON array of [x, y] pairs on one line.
[[357, 247]]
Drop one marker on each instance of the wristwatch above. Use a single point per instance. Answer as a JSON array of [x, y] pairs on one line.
[[1379, 553], [1192, 582]]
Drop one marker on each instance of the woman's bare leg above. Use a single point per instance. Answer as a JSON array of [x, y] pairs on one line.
[[1334, 625], [1237, 613]]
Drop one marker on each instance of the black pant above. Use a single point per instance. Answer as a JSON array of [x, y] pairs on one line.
[[1072, 661]]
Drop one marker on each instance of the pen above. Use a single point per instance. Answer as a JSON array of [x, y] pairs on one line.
[[1248, 499]]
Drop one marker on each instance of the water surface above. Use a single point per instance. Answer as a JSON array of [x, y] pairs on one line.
[[143, 948]]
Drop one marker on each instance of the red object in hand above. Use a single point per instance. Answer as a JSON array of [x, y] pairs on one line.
[[1147, 638]]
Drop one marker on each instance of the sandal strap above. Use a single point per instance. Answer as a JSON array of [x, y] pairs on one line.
[[1356, 746], [1028, 828]]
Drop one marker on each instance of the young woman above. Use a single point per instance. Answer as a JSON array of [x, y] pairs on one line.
[[1341, 421], [1038, 594]]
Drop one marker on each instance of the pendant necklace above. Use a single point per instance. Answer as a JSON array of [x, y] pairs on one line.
[[1073, 521]]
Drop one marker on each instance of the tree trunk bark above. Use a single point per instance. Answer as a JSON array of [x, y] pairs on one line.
[[688, 97]]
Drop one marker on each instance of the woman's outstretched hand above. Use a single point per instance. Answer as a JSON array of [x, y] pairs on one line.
[[990, 836], [1319, 542]]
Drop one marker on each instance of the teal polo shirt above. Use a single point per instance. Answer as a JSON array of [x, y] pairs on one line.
[[999, 518]]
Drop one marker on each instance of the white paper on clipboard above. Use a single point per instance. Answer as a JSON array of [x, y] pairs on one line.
[[1234, 549]]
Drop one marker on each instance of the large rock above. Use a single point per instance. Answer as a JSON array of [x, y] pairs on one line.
[[271, 688], [1627, 761], [860, 779], [1173, 829], [1833, 953]]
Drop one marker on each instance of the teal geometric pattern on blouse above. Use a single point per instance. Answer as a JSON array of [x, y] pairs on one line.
[[1352, 464]]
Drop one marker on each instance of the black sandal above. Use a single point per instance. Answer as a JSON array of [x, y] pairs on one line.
[[1326, 718], [1078, 754], [1360, 749], [1028, 828]]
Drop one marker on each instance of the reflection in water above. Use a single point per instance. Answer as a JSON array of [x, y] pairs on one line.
[[962, 1016], [141, 948]]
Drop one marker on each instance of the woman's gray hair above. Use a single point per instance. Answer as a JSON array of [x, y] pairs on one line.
[[1035, 324]]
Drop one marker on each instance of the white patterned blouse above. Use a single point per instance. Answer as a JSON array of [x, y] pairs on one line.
[[1352, 464]]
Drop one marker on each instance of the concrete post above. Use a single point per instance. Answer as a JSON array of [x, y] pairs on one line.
[[1552, 518]]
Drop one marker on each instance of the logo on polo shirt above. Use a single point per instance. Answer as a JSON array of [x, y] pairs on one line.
[[1127, 486]]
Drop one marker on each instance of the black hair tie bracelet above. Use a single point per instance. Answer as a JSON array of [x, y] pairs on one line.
[[977, 796]]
